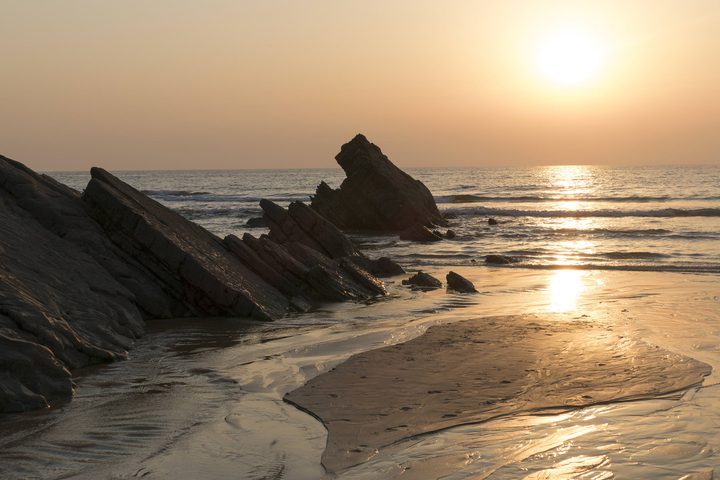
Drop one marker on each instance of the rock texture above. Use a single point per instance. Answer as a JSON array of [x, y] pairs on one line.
[[458, 283], [423, 281], [59, 308], [500, 259], [376, 195], [193, 266], [420, 233], [301, 224]]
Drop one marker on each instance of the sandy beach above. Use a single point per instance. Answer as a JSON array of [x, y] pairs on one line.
[[195, 400]]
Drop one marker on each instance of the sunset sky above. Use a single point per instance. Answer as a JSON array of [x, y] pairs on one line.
[[173, 84]]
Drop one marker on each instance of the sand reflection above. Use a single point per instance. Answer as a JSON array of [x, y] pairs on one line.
[[564, 290]]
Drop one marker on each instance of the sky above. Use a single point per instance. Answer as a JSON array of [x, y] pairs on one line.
[[230, 84]]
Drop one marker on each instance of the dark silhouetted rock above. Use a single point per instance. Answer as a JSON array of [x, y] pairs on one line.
[[459, 283], [300, 223], [423, 281], [375, 195], [492, 221], [59, 309], [420, 233], [60, 210], [499, 259], [256, 222], [450, 234], [192, 265]]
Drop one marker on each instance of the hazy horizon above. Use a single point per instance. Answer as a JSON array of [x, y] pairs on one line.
[[238, 85]]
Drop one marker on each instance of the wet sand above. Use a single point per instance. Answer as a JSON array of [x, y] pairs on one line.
[[481, 369], [204, 399]]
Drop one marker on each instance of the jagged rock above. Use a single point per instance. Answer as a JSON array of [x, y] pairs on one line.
[[376, 195], [423, 281], [256, 222], [301, 224], [192, 265], [492, 221], [420, 233], [59, 310], [499, 259], [60, 210], [458, 283]]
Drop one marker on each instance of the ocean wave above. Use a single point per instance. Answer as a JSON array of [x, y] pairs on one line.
[[208, 197], [472, 198], [664, 212]]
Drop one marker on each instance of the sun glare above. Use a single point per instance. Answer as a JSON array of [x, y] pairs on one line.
[[570, 57]]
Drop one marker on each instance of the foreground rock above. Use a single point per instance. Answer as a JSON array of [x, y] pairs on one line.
[[476, 370], [193, 266], [376, 195], [59, 308], [60, 210], [458, 283], [423, 281]]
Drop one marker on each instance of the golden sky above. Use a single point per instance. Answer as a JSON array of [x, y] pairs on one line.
[[179, 84]]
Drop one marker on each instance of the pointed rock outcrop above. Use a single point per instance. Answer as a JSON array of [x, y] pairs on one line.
[[375, 195]]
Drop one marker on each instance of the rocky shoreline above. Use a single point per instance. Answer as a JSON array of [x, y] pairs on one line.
[[82, 272]]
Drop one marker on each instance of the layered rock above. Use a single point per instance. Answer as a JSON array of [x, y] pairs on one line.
[[59, 310], [60, 210], [375, 195], [301, 224], [192, 265]]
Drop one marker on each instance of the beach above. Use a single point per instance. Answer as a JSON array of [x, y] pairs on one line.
[[206, 399]]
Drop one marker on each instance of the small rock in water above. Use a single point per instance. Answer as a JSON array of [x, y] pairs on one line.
[[423, 281], [256, 222], [458, 283], [492, 221], [419, 233], [499, 259], [450, 234], [385, 267]]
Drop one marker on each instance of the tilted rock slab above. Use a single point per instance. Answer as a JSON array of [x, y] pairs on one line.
[[376, 195], [192, 265], [59, 310]]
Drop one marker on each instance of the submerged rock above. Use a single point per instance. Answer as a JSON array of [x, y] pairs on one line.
[[500, 259], [420, 233], [423, 280], [492, 221], [458, 283], [375, 195]]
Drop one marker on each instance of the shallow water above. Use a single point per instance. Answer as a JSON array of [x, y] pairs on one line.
[[203, 398]]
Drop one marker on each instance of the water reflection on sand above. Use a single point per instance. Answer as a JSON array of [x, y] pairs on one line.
[[194, 402]]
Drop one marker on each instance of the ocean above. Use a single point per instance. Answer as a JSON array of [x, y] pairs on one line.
[[590, 217]]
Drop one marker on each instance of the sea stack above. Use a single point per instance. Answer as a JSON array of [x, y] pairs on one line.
[[375, 195]]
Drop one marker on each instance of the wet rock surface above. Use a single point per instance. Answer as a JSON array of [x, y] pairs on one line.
[[420, 233], [423, 281], [500, 259], [375, 195], [458, 283]]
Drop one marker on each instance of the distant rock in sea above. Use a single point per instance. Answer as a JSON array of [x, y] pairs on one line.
[[375, 195], [422, 281]]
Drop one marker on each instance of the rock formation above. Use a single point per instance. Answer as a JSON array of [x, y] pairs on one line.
[[458, 283], [80, 274], [500, 259], [376, 195], [301, 224], [423, 281]]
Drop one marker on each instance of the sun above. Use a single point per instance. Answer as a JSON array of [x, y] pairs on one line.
[[570, 57]]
